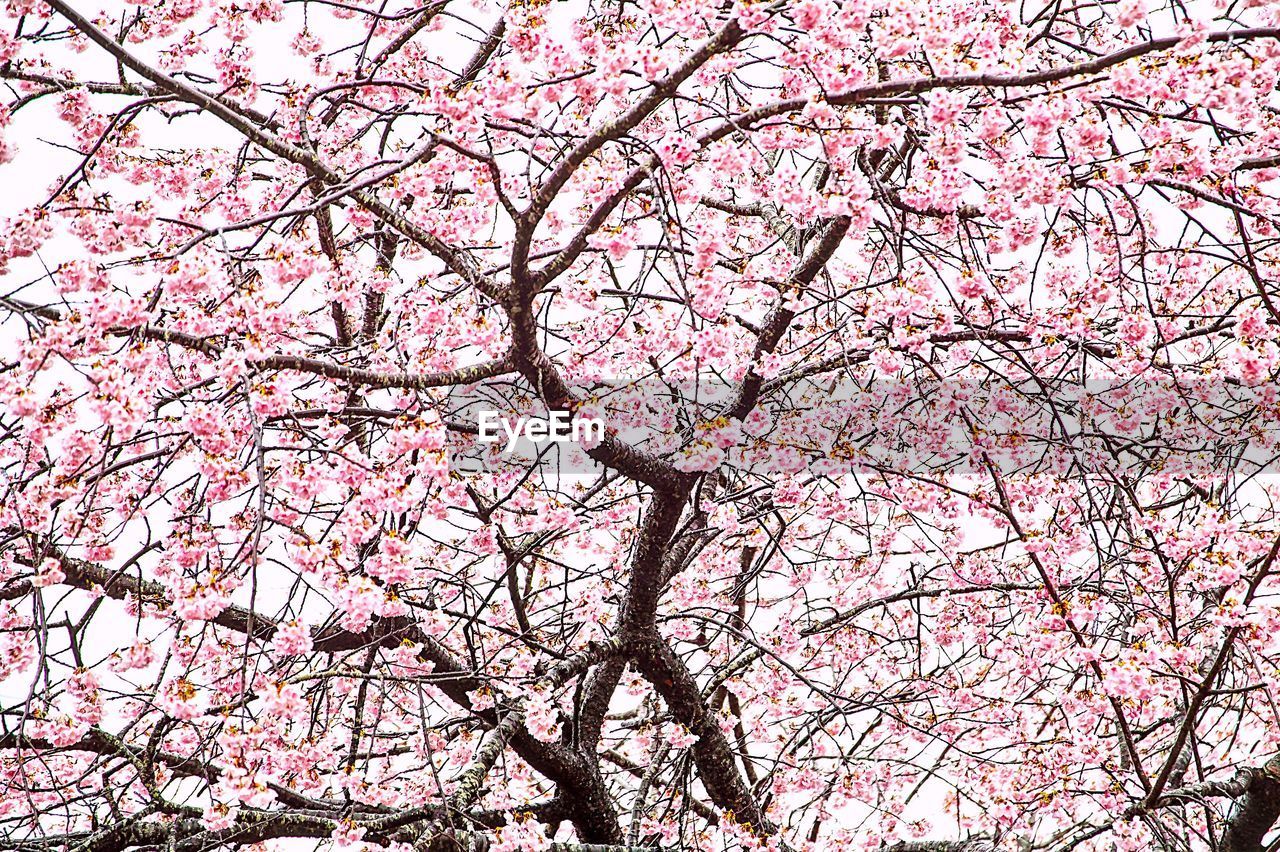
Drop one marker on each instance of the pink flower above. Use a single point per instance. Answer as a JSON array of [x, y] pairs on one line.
[[542, 718], [24, 234], [286, 702], [356, 600], [179, 698], [809, 13], [1135, 328], [887, 361], [217, 817], [291, 640], [700, 456], [481, 699], [1131, 12], [347, 833], [82, 688], [616, 242], [138, 655], [679, 736], [944, 106], [49, 573]]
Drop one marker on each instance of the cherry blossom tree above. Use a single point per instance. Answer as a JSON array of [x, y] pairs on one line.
[[934, 343]]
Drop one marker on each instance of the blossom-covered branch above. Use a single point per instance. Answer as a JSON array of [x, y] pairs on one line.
[[885, 405]]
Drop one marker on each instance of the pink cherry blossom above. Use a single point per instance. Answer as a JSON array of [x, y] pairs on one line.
[[933, 348]]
